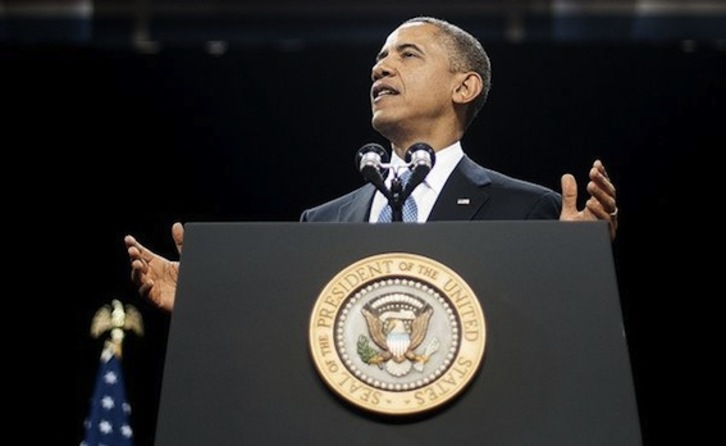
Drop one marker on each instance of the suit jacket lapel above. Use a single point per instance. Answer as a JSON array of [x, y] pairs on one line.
[[357, 209], [462, 195]]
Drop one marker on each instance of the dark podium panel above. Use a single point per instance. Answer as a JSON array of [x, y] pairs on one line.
[[556, 371]]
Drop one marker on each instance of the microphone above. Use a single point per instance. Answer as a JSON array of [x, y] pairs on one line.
[[370, 160], [420, 158]]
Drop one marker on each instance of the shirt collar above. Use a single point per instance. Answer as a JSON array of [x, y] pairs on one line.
[[445, 162]]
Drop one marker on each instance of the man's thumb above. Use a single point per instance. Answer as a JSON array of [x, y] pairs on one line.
[[177, 233], [569, 195]]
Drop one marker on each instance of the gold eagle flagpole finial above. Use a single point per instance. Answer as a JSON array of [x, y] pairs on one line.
[[116, 319]]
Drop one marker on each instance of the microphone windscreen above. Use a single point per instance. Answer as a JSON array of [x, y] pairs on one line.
[[420, 154], [420, 158], [371, 154], [368, 161]]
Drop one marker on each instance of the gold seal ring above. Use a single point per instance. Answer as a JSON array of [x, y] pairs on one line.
[[397, 334]]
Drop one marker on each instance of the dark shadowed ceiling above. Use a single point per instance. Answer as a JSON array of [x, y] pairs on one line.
[[153, 24]]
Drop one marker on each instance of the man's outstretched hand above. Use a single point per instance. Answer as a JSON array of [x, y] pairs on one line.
[[600, 206], [156, 276]]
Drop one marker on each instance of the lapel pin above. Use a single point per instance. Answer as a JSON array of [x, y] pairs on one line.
[[463, 201]]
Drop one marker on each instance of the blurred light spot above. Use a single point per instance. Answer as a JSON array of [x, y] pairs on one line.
[[216, 47]]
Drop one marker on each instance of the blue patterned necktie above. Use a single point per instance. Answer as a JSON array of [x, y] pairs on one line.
[[410, 209]]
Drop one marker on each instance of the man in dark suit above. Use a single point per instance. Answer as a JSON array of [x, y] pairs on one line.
[[430, 80], [470, 193]]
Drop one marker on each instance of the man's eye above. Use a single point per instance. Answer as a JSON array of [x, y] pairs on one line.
[[409, 54]]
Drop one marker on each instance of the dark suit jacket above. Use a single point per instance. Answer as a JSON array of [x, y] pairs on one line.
[[492, 196]]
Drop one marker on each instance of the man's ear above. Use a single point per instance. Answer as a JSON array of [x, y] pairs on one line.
[[469, 87]]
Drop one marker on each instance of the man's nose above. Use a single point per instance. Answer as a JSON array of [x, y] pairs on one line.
[[380, 70]]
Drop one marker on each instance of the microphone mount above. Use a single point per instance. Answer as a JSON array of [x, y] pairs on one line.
[[372, 161]]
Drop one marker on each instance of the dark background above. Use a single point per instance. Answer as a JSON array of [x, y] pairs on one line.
[[122, 136]]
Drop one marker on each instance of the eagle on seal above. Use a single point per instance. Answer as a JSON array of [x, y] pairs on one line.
[[398, 336]]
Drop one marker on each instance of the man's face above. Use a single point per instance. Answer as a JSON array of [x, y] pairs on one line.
[[412, 81]]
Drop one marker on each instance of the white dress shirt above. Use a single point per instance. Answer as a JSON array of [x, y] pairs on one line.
[[428, 191]]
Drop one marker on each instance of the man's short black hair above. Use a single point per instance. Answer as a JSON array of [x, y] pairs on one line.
[[466, 54]]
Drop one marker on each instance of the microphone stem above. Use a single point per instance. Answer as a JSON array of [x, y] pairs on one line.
[[396, 200]]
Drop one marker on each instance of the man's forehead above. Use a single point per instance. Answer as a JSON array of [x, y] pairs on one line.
[[415, 32]]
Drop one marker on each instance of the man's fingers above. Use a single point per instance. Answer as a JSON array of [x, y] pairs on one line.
[[601, 168], [599, 176], [140, 266], [145, 288], [137, 251], [138, 261], [605, 198], [138, 270], [596, 208]]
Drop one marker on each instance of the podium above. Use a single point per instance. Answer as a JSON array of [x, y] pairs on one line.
[[555, 370]]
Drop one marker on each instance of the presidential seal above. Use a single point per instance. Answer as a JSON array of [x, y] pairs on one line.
[[397, 334]]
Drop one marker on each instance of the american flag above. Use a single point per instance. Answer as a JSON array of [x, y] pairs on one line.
[[108, 421]]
